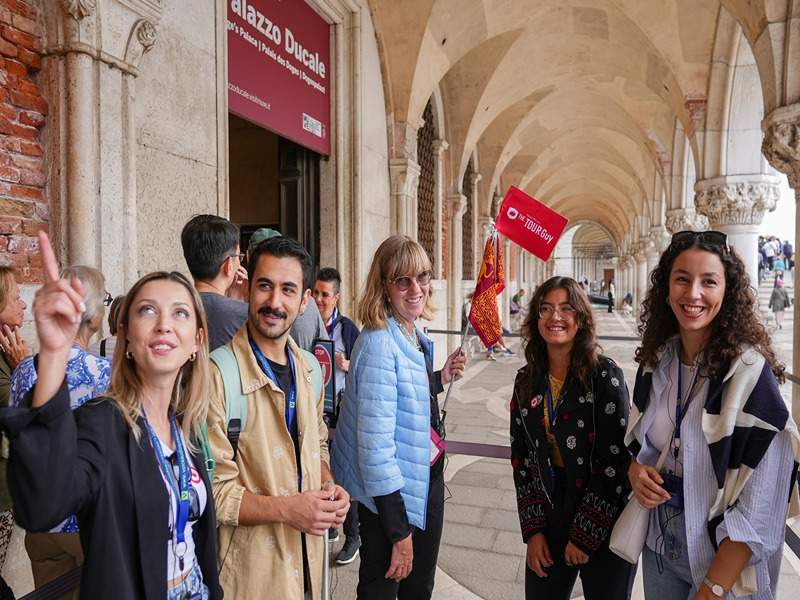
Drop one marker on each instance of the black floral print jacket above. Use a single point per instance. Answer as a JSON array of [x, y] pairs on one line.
[[590, 432]]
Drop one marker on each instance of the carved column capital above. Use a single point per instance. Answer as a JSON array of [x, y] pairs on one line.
[[781, 145], [404, 141], [404, 176], [683, 219], [456, 205], [79, 9], [736, 200], [439, 146], [660, 238], [484, 225]]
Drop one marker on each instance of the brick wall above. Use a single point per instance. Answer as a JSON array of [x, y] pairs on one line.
[[23, 204]]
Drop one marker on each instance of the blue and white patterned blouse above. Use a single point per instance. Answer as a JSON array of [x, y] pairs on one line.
[[88, 376]]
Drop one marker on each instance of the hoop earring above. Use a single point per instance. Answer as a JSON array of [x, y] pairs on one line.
[[192, 356], [128, 355]]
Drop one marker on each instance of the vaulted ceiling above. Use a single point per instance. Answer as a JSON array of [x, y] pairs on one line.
[[575, 101]]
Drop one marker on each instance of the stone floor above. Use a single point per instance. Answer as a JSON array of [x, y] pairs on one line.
[[482, 554]]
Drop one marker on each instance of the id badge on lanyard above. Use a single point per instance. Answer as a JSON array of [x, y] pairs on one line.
[[180, 488]]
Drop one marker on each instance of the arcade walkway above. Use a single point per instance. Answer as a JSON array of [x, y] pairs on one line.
[[482, 555]]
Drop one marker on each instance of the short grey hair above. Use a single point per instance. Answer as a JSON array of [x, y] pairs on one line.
[[94, 285]]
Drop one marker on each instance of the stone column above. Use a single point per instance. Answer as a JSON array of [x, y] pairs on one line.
[[641, 277], [404, 178], [96, 59], [456, 205], [736, 205], [781, 147], [439, 147]]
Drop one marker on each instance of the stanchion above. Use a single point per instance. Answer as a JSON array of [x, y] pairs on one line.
[[452, 379], [326, 569]]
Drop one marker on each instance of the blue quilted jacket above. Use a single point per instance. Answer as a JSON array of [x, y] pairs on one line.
[[382, 439]]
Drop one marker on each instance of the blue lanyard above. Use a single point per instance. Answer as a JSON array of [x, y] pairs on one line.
[[681, 407], [551, 406], [180, 487], [291, 394]]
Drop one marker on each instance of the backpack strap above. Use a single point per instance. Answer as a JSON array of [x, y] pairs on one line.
[[208, 455], [316, 373], [235, 401], [103, 346]]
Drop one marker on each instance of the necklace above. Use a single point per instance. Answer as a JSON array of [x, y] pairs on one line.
[[412, 338]]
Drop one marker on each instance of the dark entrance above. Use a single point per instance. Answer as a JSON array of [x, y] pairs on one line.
[[273, 182]]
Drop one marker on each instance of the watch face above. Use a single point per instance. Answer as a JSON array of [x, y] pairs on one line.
[[718, 590]]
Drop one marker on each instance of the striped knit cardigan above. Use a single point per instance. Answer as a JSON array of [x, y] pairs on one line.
[[742, 413]]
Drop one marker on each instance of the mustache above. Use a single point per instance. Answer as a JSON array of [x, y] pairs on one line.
[[266, 310]]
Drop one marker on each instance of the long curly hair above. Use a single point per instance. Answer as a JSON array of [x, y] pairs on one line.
[[736, 325], [585, 353]]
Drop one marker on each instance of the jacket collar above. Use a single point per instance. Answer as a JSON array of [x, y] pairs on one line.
[[252, 377], [400, 339]]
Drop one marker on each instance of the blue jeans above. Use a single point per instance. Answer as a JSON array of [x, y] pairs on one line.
[[191, 588], [667, 573]]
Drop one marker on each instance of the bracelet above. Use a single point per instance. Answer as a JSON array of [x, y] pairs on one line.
[[327, 481]]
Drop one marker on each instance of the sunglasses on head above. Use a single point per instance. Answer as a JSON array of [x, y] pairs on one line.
[[712, 238]]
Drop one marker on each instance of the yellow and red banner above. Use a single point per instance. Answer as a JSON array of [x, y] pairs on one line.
[[484, 315]]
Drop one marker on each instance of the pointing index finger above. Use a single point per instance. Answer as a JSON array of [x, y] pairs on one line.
[[48, 258]]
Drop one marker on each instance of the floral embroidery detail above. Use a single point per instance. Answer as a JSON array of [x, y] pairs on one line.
[[581, 400], [619, 489], [614, 449], [536, 401], [610, 472], [579, 460], [580, 423], [518, 421], [603, 374], [611, 408], [615, 382], [622, 421], [524, 412], [571, 442], [590, 397]]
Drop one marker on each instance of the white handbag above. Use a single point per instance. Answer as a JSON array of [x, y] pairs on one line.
[[630, 531]]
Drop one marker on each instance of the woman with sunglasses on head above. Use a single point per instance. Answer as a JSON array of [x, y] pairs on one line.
[[568, 418], [707, 397], [126, 463], [389, 421]]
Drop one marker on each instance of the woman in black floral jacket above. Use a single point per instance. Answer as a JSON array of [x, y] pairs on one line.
[[568, 418]]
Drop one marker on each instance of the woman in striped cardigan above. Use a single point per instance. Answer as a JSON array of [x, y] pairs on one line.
[[707, 390]]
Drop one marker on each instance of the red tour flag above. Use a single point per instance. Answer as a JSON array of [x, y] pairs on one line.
[[529, 223], [484, 315]]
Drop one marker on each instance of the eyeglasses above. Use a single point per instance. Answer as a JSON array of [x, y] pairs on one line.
[[240, 256], [108, 299], [546, 311], [712, 238], [403, 282]]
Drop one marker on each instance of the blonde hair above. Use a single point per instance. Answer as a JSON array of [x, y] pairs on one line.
[[6, 279], [397, 256], [190, 392], [94, 284]]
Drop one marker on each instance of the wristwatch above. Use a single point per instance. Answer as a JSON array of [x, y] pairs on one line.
[[715, 588]]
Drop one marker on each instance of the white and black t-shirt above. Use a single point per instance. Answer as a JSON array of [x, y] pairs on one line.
[[197, 505]]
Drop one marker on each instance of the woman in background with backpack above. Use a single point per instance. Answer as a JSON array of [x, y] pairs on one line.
[[127, 464]]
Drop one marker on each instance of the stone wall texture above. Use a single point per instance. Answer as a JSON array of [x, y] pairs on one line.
[[23, 202]]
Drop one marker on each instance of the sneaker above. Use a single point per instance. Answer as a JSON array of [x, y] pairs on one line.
[[333, 535], [349, 551], [490, 356]]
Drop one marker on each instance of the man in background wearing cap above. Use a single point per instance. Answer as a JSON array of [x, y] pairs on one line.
[[309, 325], [211, 249]]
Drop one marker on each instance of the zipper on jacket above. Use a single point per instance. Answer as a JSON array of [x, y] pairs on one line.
[[533, 449]]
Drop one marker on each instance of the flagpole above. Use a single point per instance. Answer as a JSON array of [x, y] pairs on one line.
[[452, 379]]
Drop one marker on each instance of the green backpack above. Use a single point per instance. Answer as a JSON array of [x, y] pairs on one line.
[[236, 401]]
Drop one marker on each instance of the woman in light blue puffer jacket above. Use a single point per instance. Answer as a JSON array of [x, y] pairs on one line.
[[382, 452]]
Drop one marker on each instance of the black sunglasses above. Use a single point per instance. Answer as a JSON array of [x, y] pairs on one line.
[[712, 238], [108, 299]]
